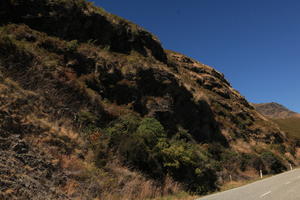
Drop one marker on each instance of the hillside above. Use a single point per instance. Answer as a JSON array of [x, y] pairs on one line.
[[93, 107], [275, 110], [287, 120], [290, 125]]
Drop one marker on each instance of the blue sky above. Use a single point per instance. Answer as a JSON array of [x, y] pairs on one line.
[[255, 43]]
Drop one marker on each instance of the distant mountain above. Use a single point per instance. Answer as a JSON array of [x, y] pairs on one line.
[[287, 120], [275, 110]]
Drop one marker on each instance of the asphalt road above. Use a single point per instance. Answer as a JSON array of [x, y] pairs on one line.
[[285, 186]]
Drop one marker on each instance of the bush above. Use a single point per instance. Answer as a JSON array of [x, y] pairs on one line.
[[230, 160], [272, 162], [134, 140], [150, 131], [188, 164], [143, 144], [122, 129], [86, 118], [248, 161], [279, 147], [72, 46], [183, 135]]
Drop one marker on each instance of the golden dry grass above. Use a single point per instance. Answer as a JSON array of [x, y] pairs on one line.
[[133, 185], [178, 196]]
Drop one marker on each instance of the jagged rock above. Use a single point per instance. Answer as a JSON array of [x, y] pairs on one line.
[[52, 16]]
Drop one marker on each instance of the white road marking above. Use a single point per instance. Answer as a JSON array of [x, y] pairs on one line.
[[261, 196], [288, 182]]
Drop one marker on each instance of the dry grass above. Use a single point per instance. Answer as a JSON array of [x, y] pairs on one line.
[[241, 146], [234, 184], [290, 125], [178, 196], [132, 185], [114, 183]]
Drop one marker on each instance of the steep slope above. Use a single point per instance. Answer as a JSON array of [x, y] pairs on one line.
[[93, 107], [275, 110], [287, 120], [67, 19]]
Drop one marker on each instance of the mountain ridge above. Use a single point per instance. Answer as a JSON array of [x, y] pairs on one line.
[[275, 110], [287, 120]]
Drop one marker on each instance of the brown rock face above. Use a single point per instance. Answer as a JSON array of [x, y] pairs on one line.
[[67, 20]]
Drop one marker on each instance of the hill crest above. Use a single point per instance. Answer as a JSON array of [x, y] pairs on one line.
[[275, 110]]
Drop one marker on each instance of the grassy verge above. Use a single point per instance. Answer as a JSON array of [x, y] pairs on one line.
[[178, 196], [234, 184]]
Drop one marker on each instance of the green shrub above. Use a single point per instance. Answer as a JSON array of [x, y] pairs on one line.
[[72, 46], [150, 130], [272, 162], [86, 118], [189, 164], [230, 160], [143, 144], [122, 128], [248, 161], [279, 147], [134, 139], [183, 135], [234, 161]]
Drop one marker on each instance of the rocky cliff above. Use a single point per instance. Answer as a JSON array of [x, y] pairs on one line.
[[93, 107]]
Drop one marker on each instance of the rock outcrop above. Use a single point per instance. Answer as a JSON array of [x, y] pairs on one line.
[[67, 19]]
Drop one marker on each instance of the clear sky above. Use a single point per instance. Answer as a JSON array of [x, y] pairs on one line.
[[255, 43]]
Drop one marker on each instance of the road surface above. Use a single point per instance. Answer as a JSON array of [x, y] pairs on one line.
[[285, 186]]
